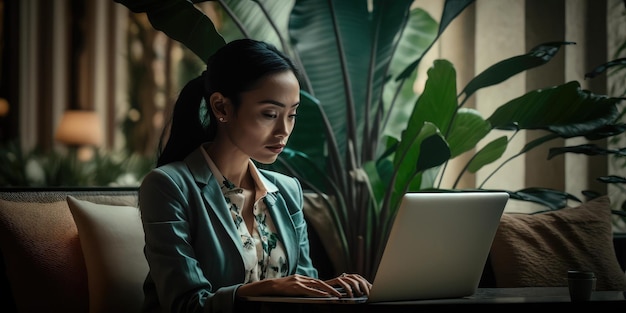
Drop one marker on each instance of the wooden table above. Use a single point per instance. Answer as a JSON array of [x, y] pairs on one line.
[[484, 298]]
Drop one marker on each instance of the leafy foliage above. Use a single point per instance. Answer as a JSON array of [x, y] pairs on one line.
[[368, 138], [37, 168]]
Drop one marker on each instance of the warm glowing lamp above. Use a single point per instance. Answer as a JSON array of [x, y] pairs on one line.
[[4, 107], [80, 128]]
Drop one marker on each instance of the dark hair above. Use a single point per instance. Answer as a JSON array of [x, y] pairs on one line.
[[235, 68]]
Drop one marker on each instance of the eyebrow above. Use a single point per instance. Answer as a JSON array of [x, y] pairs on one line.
[[280, 104]]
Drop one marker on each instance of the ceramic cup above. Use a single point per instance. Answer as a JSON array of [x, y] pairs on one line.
[[581, 285]]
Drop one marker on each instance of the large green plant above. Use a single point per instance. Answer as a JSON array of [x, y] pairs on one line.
[[366, 138]]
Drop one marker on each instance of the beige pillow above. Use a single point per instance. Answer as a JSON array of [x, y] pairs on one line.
[[42, 257], [112, 241], [538, 249]]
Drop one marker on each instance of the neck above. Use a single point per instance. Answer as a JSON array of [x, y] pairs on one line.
[[247, 182], [234, 168]]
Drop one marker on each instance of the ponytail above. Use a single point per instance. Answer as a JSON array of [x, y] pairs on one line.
[[186, 131]]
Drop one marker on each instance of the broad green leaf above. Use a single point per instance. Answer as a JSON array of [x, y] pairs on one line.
[[419, 33], [468, 128], [538, 142], [606, 131], [436, 152], [381, 171], [425, 180], [451, 9], [338, 43], [398, 105], [565, 110], [553, 199], [388, 30], [505, 69], [436, 105], [612, 179], [488, 154], [425, 150], [376, 172], [250, 14], [315, 36], [181, 21], [604, 67], [586, 149]]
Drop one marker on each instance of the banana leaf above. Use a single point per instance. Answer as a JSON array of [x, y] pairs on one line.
[[507, 68], [181, 21], [565, 110]]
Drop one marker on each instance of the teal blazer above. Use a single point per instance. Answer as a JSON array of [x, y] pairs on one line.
[[192, 247]]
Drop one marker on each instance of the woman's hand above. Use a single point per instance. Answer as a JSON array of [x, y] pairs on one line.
[[354, 285], [295, 285]]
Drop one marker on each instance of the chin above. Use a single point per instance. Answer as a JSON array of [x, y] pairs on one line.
[[266, 161]]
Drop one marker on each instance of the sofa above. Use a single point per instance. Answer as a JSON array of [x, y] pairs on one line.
[[80, 249]]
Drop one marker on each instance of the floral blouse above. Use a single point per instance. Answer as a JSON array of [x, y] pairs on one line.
[[264, 255]]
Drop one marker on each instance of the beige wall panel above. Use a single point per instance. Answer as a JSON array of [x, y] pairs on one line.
[[500, 35]]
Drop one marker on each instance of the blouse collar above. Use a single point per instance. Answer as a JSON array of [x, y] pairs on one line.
[[262, 184]]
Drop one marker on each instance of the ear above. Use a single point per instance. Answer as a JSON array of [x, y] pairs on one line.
[[219, 105]]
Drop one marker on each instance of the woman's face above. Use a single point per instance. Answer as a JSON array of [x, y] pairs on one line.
[[266, 116]]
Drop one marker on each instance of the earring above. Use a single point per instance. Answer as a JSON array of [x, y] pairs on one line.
[[221, 119]]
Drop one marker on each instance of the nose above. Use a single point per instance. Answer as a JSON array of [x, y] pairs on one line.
[[284, 127]]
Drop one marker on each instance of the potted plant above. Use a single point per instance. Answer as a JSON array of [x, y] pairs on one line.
[[358, 65]]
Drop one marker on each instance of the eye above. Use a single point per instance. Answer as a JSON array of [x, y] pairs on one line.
[[270, 113], [293, 114]]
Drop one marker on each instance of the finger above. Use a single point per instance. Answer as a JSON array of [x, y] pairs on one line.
[[349, 284], [352, 284], [358, 284], [321, 288], [330, 289], [365, 286]]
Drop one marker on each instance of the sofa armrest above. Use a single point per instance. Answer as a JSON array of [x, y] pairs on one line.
[[39, 246]]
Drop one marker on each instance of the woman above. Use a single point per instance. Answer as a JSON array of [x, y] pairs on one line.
[[216, 226]]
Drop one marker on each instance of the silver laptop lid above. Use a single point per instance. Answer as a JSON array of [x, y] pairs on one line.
[[438, 245]]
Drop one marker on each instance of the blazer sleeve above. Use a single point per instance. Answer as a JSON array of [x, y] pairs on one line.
[[176, 282]]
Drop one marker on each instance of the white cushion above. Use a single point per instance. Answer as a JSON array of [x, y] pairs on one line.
[[112, 241]]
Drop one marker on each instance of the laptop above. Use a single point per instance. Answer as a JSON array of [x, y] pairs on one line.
[[437, 248]]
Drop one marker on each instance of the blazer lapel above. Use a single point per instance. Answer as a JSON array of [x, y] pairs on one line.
[[214, 199], [284, 225]]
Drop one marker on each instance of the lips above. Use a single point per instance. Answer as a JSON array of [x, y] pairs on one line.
[[276, 148]]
